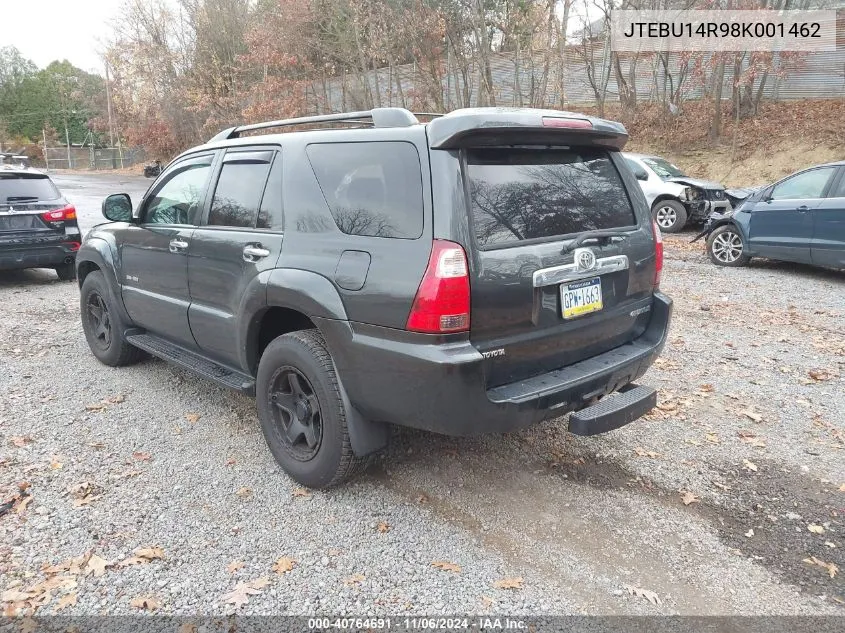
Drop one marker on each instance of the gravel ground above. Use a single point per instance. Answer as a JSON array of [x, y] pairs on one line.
[[151, 490]]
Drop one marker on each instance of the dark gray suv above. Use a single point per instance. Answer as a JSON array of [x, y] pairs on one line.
[[478, 273]]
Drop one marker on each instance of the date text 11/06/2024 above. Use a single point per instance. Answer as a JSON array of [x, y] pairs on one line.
[[419, 623]]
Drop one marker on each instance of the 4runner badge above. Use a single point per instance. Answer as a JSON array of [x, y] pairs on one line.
[[493, 353], [585, 259]]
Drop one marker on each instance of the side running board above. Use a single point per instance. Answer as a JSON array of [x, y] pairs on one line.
[[200, 365]]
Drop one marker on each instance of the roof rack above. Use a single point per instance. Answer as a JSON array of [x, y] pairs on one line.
[[377, 117]]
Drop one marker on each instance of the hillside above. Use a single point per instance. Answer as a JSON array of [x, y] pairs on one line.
[[783, 138]]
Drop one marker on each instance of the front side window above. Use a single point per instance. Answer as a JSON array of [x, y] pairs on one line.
[[518, 194], [177, 198], [372, 188], [239, 189], [809, 184]]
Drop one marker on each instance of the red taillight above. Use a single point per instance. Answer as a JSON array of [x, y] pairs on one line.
[[60, 215], [74, 246], [442, 301], [658, 254], [578, 124]]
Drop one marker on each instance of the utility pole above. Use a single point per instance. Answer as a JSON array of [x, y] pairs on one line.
[[46, 159], [108, 106], [67, 140]]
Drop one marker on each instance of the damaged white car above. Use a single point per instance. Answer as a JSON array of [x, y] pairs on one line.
[[675, 199]]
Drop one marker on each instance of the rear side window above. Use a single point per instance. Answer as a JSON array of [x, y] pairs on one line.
[[520, 195], [270, 214], [372, 188], [26, 188], [240, 187]]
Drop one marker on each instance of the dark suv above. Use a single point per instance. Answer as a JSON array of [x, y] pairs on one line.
[[479, 273], [38, 227]]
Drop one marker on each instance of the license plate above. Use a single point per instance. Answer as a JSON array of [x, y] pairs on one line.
[[581, 297]]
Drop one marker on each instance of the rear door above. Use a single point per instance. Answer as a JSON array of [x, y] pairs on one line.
[[564, 257], [781, 224], [24, 198], [239, 237], [828, 245]]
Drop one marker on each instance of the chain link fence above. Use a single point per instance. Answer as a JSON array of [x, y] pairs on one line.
[[92, 158]]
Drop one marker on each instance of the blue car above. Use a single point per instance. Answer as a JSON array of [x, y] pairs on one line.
[[798, 219]]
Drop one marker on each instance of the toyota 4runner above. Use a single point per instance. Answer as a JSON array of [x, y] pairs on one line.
[[478, 273]]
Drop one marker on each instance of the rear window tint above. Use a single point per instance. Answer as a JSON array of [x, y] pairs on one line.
[[26, 188], [529, 194], [372, 188]]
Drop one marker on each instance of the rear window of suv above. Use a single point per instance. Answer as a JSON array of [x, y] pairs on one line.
[[527, 194], [26, 188]]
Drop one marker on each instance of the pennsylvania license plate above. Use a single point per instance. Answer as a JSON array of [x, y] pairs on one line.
[[581, 297]]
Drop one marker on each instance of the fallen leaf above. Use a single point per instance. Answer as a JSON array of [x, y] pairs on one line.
[[244, 492], [96, 566], [66, 601], [749, 465], [150, 553], [641, 452], [707, 388], [820, 375], [749, 533], [842, 488], [508, 583], [230, 462], [446, 566], [193, 418], [815, 529], [55, 464], [713, 438], [424, 499], [755, 417], [721, 486], [830, 544], [651, 596], [239, 596], [688, 497], [22, 503], [141, 456], [383, 527], [96, 445], [116, 399], [234, 566], [20, 440], [99, 407], [354, 579], [487, 601], [283, 565], [301, 492], [831, 568], [148, 603]]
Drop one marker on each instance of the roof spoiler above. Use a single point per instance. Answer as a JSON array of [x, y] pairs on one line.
[[489, 127]]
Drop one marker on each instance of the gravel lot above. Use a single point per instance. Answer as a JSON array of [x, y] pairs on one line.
[[151, 490]]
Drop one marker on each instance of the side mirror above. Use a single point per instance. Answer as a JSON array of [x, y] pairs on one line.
[[641, 175], [118, 207], [767, 195]]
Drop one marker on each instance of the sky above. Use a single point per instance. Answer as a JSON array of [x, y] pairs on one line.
[[46, 30]]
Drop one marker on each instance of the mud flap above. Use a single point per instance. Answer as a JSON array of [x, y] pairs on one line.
[[365, 436]]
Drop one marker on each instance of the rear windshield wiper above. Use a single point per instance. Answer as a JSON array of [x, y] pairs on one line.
[[594, 236]]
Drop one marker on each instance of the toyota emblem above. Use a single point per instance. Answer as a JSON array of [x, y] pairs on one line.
[[585, 259]]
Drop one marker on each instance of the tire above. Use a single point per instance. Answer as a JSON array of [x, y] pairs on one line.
[[66, 272], [670, 215], [102, 324], [726, 247], [303, 418]]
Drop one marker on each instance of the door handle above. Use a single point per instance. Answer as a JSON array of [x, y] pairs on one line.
[[177, 245], [254, 252], [803, 208]]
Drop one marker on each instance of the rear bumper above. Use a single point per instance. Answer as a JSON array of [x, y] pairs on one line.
[[441, 387], [37, 255]]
